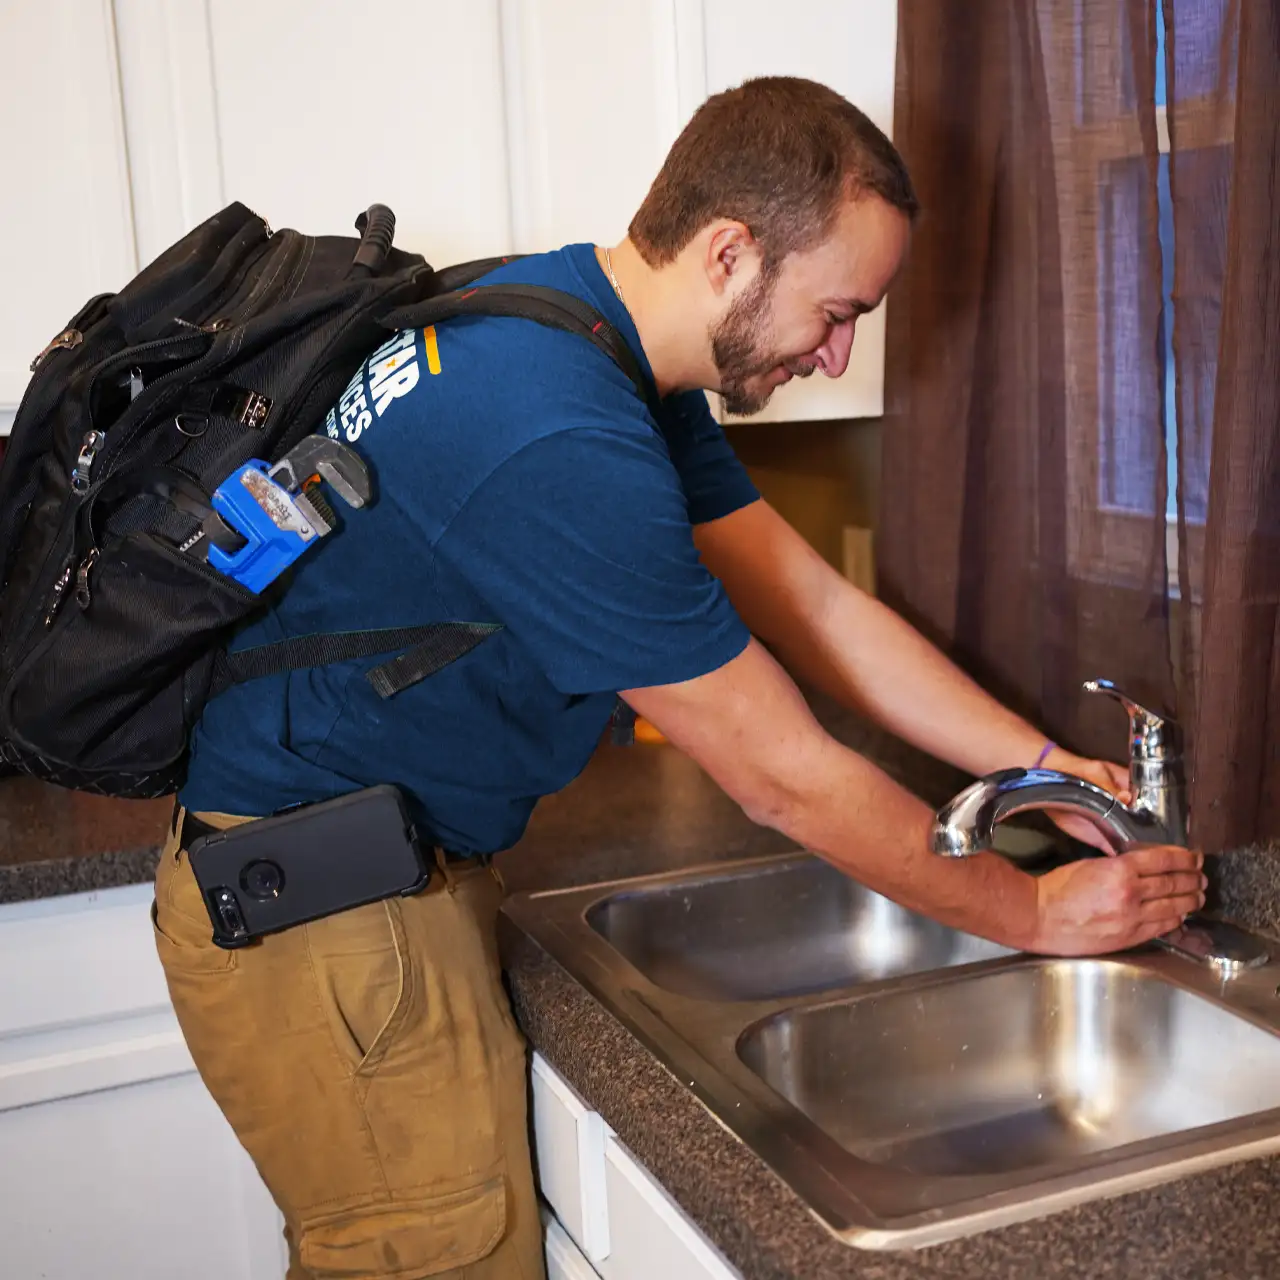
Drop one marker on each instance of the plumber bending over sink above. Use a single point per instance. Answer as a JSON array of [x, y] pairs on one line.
[[369, 1061]]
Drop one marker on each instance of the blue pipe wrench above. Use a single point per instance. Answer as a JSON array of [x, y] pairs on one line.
[[278, 511]]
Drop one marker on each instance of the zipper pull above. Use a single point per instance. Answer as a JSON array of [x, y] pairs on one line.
[[59, 590], [82, 577], [89, 446], [67, 339], [135, 384], [211, 326]]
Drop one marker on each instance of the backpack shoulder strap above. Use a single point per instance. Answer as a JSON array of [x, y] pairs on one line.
[[551, 307]]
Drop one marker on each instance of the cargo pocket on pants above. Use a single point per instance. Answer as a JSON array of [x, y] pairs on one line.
[[408, 1239]]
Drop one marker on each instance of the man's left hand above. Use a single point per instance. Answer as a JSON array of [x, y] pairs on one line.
[[1103, 773]]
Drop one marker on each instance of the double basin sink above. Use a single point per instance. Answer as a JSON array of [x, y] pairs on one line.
[[909, 1082]]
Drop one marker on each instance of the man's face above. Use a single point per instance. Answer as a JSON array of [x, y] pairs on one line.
[[802, 317]]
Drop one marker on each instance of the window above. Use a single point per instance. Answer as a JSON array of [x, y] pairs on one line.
[[1123, 383]]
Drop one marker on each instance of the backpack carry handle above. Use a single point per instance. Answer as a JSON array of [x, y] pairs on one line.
[[377, 227]]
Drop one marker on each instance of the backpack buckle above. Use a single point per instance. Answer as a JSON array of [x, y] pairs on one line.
[[252, 408]]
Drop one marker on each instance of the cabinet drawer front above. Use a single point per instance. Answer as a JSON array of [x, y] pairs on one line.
[[649, 1234], [569, 1138], [564, 1258]]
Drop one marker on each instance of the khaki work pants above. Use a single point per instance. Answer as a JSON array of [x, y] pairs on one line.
[[370, 1065]]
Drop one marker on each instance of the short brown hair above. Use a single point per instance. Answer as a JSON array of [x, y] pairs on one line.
[[779, 154]]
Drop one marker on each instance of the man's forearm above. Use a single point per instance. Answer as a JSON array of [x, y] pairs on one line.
[[829, 634], [747, 725], [866, 656], [879, 835]]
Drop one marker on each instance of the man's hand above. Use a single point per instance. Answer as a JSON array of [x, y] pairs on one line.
[[1108, 904], [1103, 773]]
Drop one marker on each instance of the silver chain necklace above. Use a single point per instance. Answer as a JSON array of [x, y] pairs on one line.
[[613, 280]]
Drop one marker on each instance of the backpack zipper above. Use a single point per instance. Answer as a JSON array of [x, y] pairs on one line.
[[67, 339], [92, 445], [59, 590], [89, 451], [272, 283]]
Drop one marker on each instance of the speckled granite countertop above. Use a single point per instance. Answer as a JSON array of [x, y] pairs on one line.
[[646, 809]]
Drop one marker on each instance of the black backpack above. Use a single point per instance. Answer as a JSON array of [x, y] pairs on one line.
[[231, 345]]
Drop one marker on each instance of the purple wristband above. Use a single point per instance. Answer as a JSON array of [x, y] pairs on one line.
[[1044, 755]]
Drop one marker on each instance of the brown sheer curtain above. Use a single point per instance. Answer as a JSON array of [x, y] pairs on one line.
[[1025, 504], [1223, 60]]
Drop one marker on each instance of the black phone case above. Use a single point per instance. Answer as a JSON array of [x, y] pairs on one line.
[[307, 863]]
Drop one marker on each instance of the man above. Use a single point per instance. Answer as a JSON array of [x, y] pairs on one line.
[[368, 1061]]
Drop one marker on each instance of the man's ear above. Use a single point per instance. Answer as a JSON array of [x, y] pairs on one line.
[[731, 255]]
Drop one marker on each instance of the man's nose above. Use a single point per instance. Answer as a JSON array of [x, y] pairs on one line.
[[833, 355]]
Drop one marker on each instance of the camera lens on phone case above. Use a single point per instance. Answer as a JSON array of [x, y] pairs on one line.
[[228, 910], [262, 880]]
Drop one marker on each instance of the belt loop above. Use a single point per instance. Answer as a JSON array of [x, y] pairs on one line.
[[442, 862]]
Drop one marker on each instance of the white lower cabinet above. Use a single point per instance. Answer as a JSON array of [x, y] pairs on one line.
[[114, 1160], [564, 1259], [623, 1222]]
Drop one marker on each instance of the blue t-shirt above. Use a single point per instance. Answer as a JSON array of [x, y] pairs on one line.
[[520, 480]]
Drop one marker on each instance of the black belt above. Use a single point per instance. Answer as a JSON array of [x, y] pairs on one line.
[[193, 828]]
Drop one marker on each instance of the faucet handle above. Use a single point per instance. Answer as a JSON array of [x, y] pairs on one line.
[[1151, 736]]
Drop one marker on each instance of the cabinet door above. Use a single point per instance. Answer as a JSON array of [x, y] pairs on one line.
[[308, 111], [145, 1180], [593, 104], [569, 1141], [116, 1160], [68, 230], [564, 1258], [852, 48], [649, 1234]]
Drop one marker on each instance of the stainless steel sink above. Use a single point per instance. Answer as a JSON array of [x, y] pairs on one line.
[[791, 928], [1017, 1070], [912, 1084]]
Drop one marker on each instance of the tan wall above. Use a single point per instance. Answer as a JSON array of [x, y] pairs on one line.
[[821, 476]]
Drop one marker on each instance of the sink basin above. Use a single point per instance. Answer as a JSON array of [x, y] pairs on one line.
[[1016, 1071], [783, 930], [912, 1084]]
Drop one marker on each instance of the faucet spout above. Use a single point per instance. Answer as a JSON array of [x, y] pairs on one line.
[[967, 824]]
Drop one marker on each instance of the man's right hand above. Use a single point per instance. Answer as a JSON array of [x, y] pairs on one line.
[[1108, 904]]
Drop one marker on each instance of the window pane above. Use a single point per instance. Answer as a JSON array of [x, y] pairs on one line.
[[1201, 183], [1130, 428]]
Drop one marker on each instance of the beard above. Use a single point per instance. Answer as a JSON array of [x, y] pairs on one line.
[[739, 351]]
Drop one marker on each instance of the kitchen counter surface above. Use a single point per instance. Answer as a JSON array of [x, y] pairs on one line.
[[646, 809]]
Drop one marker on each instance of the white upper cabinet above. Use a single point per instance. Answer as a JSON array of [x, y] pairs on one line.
[[68, 228], [308, 111], [489, 126], [592, 108], [596, 94], [850, 45]]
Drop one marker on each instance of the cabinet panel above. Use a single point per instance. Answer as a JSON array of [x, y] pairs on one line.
[[593, 105], [323, 108], [564, 1259], [569, 1140], [649, 1234], [170, 113], [68, 224], [852, 48], [144, 1180], [116, 1162]]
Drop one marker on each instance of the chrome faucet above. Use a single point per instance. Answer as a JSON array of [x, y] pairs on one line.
[[1156, 814]]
